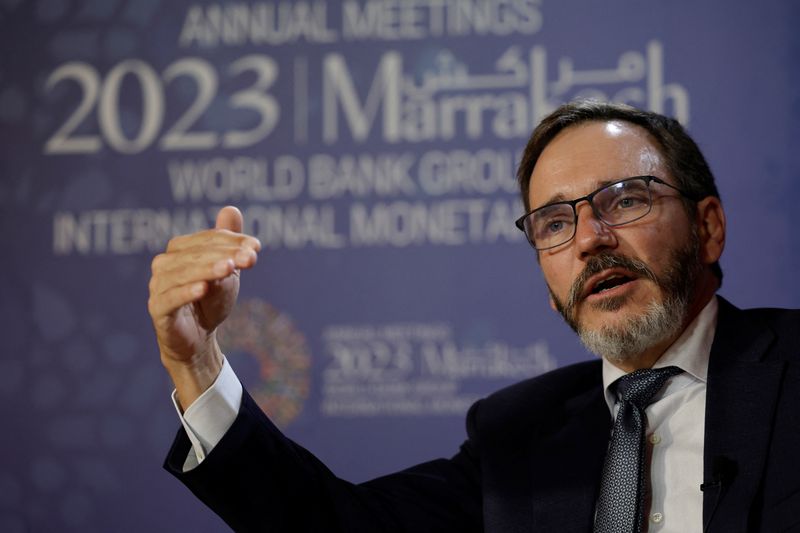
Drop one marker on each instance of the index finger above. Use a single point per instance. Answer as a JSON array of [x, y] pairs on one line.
[[213, 237]]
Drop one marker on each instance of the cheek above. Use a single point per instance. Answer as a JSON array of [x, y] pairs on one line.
[[654, 238], [557, 274], [653, 246], [668, 225]]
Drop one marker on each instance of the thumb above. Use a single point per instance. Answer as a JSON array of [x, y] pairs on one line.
[[230, 218]]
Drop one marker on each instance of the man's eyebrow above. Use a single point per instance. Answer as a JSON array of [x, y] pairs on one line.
[[559, 197]]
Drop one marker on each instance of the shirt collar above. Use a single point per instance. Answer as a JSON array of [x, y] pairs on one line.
[[690, 352]]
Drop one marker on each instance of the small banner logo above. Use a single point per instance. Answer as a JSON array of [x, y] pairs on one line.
[[257, 329]]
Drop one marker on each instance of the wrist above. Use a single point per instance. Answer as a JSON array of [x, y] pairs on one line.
[[193, 376]]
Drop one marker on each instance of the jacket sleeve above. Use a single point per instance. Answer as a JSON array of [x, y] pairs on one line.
[[256, 479]]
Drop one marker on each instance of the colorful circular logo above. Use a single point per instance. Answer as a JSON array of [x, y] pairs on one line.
[[259, 330]]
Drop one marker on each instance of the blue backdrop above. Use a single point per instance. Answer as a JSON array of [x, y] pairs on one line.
[[371, 145]]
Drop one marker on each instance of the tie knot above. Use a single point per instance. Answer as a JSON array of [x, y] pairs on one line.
[[640, 386]]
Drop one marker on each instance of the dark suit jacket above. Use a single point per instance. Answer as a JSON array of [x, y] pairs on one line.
[[534, 454]]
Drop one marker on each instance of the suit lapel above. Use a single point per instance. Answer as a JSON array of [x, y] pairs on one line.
[[536, 484], [566, 468], [740, 403]]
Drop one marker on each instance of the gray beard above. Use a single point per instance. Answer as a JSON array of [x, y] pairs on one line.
[[661, 321], [621, 344]]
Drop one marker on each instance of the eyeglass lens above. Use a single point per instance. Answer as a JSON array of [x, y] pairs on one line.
[[619, 203]]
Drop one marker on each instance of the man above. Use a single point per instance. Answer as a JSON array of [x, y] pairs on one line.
[[628, 229]]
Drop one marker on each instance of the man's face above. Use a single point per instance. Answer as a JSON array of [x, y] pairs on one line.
[[622, 284]]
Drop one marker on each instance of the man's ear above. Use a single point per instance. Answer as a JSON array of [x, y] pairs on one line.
[[710, 229]]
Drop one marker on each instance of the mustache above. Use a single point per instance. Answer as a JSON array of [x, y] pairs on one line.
[[601, 262]]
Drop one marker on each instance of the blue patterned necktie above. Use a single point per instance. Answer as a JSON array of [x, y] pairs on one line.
[[620, 506]]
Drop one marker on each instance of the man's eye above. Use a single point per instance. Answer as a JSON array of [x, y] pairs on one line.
[[552, 227], [628, 202]]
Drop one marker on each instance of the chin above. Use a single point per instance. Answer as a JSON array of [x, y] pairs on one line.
[[611, 310], [624, 335]]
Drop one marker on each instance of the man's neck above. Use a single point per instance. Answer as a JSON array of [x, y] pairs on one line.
[[706, 289]]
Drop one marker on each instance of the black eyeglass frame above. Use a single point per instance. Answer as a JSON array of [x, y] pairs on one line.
[[520, 222]]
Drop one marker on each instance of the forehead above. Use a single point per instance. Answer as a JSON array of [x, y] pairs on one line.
[[582, 158]]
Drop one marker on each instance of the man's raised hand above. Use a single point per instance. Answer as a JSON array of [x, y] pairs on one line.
[[193, 288]]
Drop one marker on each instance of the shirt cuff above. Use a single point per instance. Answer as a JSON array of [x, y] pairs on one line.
[[210, 416]]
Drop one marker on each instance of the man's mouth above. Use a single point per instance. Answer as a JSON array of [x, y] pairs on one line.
[[607, 281]]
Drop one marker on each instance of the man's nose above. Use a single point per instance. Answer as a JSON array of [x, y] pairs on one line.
[[592, 235]]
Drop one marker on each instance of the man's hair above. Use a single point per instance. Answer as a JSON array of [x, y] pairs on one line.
[[683, 158]]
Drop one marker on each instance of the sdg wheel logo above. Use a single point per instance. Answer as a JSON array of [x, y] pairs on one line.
[[258, 330]]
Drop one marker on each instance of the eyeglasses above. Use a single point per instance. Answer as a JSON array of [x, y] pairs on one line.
[[616, 204]]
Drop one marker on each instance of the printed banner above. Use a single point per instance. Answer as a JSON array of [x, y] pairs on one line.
[[372, 147]]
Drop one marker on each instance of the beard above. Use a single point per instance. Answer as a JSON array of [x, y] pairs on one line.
[[661, 320]]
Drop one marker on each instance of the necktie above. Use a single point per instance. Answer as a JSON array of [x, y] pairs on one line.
[[620, 506]]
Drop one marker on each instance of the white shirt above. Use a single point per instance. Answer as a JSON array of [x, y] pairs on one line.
[[210, 416], [675, 424]]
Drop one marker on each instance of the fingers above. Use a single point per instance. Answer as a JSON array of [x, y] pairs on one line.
[[189, 258], [193, 265], [213, 237], [167, 302], [171, 269], [230, 218], [184, 273], [227, 231]]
